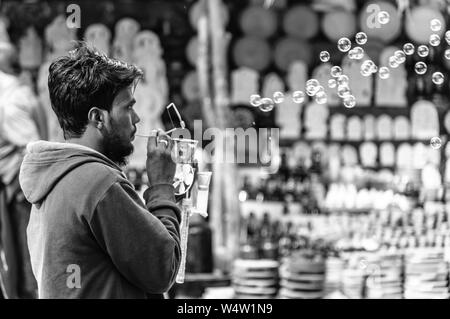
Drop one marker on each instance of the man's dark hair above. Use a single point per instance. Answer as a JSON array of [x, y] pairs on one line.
[[84, 79]]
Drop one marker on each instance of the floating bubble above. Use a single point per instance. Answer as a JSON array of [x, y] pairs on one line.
[[400, 56], [421, 68], [438, 78], [349, 101], [384, 73], [409, 49], [368, 67], [267, 104], [344, 44], [435, 40], [435, 25], [336, 71], [447, 37], [393, 63], [384, 17], [343, 80], [255, 100], [324, 56], [298, 97], [435, 143], [423, 51], [358, 53], [343, 91], [332, 83], [312, 87], [278, 97], [447, 54], [365, 72], [361, 38], [321, 98]]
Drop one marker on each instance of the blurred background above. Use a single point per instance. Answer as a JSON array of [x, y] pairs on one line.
[[354, 201]]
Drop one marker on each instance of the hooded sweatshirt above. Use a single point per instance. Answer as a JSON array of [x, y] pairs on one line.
[[90, 235]]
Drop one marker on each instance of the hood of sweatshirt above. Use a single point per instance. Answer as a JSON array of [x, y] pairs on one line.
[[46, 163]]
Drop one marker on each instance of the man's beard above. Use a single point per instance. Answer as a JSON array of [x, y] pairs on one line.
[[115, 147]]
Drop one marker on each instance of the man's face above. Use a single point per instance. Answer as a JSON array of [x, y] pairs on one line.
[[121, 127]]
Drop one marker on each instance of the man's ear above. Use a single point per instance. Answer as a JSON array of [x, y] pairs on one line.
[[97, 116]]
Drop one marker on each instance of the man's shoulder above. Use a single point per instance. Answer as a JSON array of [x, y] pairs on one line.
[[95, 176]]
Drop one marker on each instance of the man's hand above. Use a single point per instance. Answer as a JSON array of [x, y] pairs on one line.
[[160, 166]]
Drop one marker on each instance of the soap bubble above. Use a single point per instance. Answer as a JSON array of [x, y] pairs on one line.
[[312, 87], [255, 100], [447, 54], [435, 40], [447, 37], [324, 56], [368, 67], [349, 101], [438, 78], [321, 97], [343, 80], [358, 53], [435, 143], [384, 73], [298, 97], [409, 49], [421, 68], [400, 56], [344, 44], [383, 17], [361, 38], [267, 104], [278, 97], [435, 25], [332, 83], [423, 51], [343, 91], [393, 63], [336, 71]]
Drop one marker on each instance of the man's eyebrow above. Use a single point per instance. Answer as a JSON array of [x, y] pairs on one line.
[[131, 102]]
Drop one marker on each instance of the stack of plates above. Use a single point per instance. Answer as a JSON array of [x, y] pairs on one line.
[[352, 282], [334, 269], [385, 277], [302, 278], [255, 279], [426, 275]]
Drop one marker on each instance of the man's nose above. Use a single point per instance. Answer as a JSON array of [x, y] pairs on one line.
[[136, 118]]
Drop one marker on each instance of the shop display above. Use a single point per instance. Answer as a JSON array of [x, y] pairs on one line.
[[355, 201]]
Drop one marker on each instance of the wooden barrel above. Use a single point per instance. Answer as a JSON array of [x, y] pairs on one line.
[[338, 24], [418, 24], [289, 50], [301, 22], [369, 24], [198, 9], [252, 52], [190, 86], [192, 51], [258, 21]]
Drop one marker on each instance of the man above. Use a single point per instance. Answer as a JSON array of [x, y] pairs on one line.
[[20, 124], [90, 235]]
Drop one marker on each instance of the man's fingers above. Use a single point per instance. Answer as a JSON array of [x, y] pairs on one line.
[[152, 140]]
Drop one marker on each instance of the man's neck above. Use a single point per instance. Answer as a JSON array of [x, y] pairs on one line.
[[86, 142]]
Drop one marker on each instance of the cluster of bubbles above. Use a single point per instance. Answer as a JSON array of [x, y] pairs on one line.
[[340, 82], [267, 104]]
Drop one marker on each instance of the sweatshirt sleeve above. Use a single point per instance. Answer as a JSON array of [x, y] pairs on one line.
[[143, 243]]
